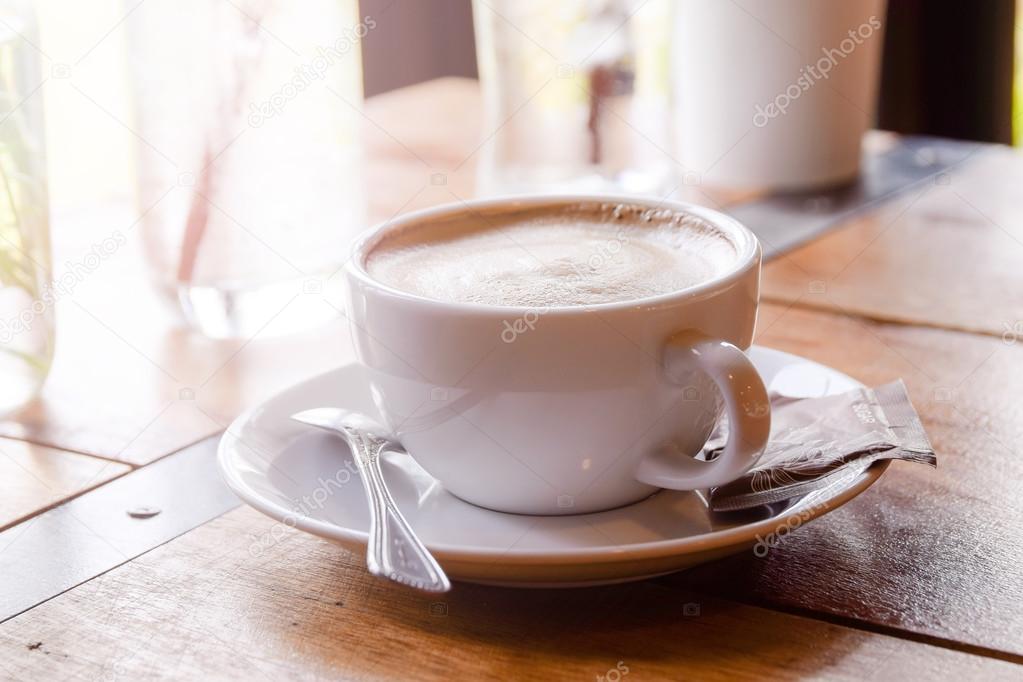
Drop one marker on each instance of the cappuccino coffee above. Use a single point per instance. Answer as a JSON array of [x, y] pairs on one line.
[[564, 255]]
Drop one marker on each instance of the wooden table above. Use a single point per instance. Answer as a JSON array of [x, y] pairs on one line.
[[919, 577]]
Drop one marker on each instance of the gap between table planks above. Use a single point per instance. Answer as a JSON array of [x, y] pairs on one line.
[[922, 547], [36, 478], [932, 553], [205, 605]]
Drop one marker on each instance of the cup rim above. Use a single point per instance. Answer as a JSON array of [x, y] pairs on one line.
[[747, 244]]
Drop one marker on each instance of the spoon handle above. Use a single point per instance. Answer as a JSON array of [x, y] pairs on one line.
[[394, 551]]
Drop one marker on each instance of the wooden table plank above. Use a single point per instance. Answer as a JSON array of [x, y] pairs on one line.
[[36, 477], [65, 546], [204, 606], [934, 553], [946, 255]]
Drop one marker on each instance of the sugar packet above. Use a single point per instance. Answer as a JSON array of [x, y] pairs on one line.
[[813, 439]]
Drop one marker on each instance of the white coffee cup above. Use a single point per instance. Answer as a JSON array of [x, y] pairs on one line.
[[566, 409], [775, 94]]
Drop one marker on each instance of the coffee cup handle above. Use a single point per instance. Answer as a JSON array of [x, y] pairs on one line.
[[747, 405]]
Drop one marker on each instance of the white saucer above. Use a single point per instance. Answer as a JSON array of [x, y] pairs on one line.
[[306, 479]]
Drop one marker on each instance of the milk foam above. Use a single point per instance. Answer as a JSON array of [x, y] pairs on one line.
[[582, 255]]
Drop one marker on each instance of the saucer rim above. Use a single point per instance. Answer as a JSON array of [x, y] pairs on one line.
[[605, 554]]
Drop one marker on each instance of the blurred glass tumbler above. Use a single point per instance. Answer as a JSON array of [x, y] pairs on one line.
[[576, 96], [249, 191], [775, 94], [27, 290]]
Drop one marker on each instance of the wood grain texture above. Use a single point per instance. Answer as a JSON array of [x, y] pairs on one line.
[[36, 478], [948, 254], [203, 606], [930, 552], [74, 542]]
